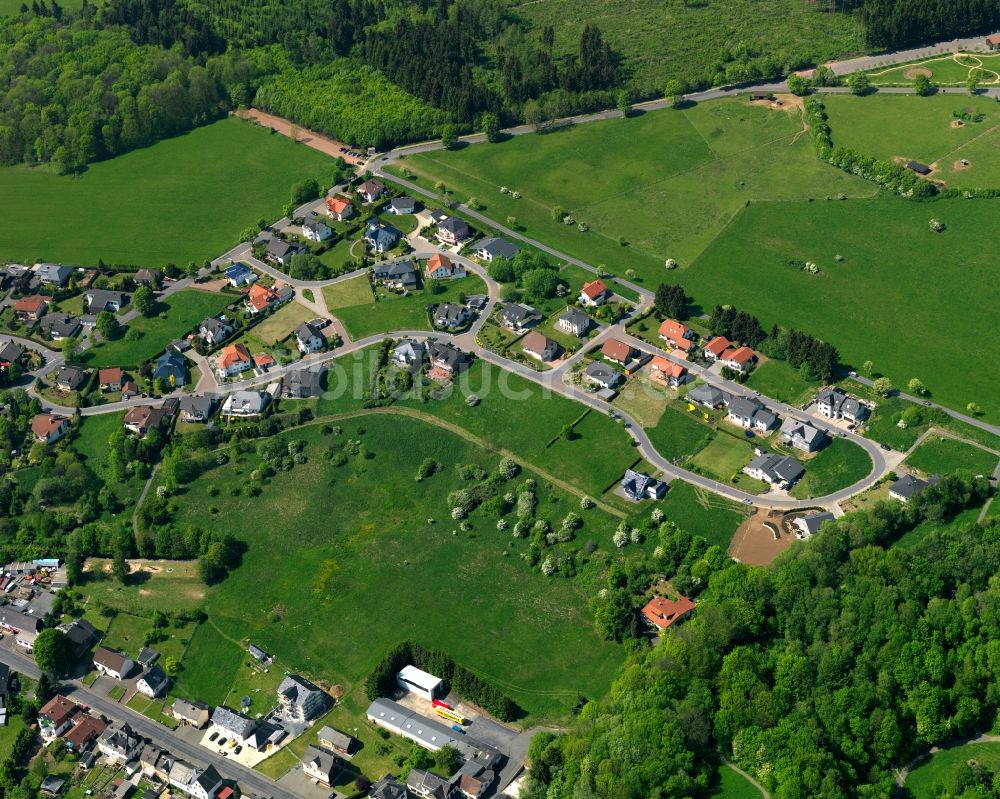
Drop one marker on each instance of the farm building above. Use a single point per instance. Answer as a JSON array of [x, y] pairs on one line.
[[419, 682]]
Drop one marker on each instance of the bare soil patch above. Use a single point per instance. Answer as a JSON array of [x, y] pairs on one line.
[[913, 72], [958, 123], [754, 541], [959, 165], [317, 141]]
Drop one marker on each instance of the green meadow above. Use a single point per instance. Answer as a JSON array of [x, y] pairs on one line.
[[935, 776]]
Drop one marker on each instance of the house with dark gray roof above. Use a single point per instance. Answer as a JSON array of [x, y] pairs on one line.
[[573, 321], [171, 367], [215, 331], [449, 316], [777, 470], [308, 338], [835, 403], [709, 396], [388, 788], [101, 300], [750, 414], [190, 712], [301, 699], [336, 740], [305, 383], [197, 407], [381, 237], [153, 682], [235, 725], [60, 325], [427, 785], [408, 352], [802, 435], [396, 274], [907, 487], [602, 374], [808, 526], [71, 378], [315, 229], [494, 247], [11, 352], [319, 764], [518, 317], [281, 251], [402, 205], [448, 357], [119, 743], [52, 274], [453, 230], [638, 486], [81, 634]]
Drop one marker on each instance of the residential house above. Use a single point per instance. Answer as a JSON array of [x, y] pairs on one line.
[[84, 730], [750, 414], [232, 360], [112, 663], [339, 208], [192, 713], [336, 741], [993, 41], [49, 428], [101, 300], [245, 404], [154, 762], [240, 275], [441, 267], [808, 526], [129, 389], [56, 716], [677, 335], [259, 654], [148, 277], [81, 633], [428, 217], [260, 297], [319, 764], [281, 252], [396, 274], [777, 470], [448, 358], [316, 229], [453, 230], [618, 351], [740, 359], [402, 205], [109, 379], [11, 352], [59, 326], [427, 785], [52, 274], [717, 346], [171, 367], [71, 378], [602, 375], [301, 699], [141, 419], [23, 625], [538, 346], [492, 248], [381, 237], [802, 435], [119, 743], [214, 331], [594, 293], [709, 396], [662, 613], [574, 322], [230, 724], [666, 372], [30, 309], [309, 338], [197, 407], [907, 487], [305, 383], [153, 682], [472, 780], [450, 316], [638, 486], [388, 788], [200, 783], [51, 786], [835, 403], [408, 352], [518, 317], [371, 190], [147, 657]]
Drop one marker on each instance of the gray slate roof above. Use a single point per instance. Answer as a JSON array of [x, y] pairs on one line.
[[780, 468], [602, 372], [517, 313], [60, 325], [815, 521], [497, 247], [707, 395], [233, 722]]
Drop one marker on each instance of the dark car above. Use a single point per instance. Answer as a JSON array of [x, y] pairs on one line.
[[238, 749], [213, 736], [885, 446]]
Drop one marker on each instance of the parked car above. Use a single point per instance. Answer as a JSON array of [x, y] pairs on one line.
[[239, 749], [213, 736], [885, 446]]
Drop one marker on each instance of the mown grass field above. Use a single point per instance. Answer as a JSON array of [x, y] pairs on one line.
[[951, 69], [724, 456], [184, 310], [839, 464], [666, 183], [282, 323], [783, 382], [702, 513], [733, 786], [661, 41], [679, 435], [883, 303], [932, 776], [182, 199], [341, 572], [939, 455], [908, 126]]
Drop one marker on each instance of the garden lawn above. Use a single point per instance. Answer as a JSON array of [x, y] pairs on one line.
[[942, 456], [184, 311], [703, 513], [724, 457], [733, 786], [912, 127], [619, 178], [282, 323], [932, 776], [395, 312], [347, 548], [840, 464], [882, 300], [188, 198], [339, 257], [783, 382], [642, 401], [354, 291], [950, 69], [679, 435]]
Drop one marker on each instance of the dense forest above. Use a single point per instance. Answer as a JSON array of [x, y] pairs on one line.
[[817, 676]]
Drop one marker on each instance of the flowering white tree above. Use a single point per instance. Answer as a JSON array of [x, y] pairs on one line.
[[586, 503], [548, 566], [620, 538], [657, 516]]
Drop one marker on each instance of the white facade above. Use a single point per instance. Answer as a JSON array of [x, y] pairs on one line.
[[418, 682]]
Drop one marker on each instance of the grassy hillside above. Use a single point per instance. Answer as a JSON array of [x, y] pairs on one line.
[[182, 199]]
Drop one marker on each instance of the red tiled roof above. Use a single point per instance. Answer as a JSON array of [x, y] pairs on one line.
[[84, 731], [263, 359], [616, 350], [58, 709], [993, 38], [667, 367], [30, 304], [741, 356], [594, 289], [663, 612], [673, 330], [261, 296], [44, 425], [232, 354], [718, 345], [337, 205], [536, 342], [113, 375], [683, 344]]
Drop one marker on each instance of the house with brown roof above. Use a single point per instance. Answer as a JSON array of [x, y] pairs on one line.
[[85, 730], [56, 716], [666, 372], [371, 190], [539, 346], [143, 418], [192, 713], [148, 277], [618, 351], [49, 428], [112, 663], [594, 293], [661, 612], [110, 379], [30, 309], [993, 41]]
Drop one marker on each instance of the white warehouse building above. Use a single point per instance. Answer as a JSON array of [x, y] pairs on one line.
[[419, 682]]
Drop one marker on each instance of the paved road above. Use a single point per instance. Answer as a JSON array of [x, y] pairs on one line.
[[160, 735]]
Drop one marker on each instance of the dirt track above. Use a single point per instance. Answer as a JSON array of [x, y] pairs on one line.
[[317, 141]]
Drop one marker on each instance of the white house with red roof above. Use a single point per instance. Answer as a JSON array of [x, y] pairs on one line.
[[740, 359], [666, 372], [717, 346], [677, 335], [594, 293], [339, 208]]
